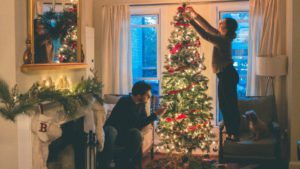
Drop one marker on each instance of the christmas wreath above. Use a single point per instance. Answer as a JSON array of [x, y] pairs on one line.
[[59, 24]]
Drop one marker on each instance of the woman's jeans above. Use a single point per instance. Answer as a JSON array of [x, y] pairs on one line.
[[228, 99]]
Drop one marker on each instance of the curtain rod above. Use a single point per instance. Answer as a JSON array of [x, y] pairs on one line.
[[177, 3]]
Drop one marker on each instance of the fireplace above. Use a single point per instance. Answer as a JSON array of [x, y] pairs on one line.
[[68, 151]]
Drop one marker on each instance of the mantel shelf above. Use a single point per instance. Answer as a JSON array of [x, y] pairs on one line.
[[61, 66]]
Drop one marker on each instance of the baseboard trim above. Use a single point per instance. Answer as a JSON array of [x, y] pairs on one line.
[[294, 165]]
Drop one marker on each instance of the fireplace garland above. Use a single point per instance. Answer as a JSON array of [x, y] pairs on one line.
[[14, 103]]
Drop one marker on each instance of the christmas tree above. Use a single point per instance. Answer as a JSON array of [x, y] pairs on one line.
[[68, 50], [186, 125]]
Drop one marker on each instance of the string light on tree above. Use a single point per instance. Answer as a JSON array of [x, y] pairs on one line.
[[187, 122]]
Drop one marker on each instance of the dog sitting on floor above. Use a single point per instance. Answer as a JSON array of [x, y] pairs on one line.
[[258, 128]]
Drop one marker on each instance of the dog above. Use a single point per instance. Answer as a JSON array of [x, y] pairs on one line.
[[258, 127]]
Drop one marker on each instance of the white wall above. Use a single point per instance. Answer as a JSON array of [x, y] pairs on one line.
[[8, 130]]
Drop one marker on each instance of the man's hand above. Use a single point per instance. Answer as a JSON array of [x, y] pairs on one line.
[[161, 111]]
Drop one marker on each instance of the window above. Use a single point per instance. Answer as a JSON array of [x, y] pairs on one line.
[[144, 49], [239, 49]]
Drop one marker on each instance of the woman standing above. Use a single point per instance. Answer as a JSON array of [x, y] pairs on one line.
[[222, 65]]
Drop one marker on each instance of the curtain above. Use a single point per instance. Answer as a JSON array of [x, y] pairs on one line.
[[267, 39], [112, 47]]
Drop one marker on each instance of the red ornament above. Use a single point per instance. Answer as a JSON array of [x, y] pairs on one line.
[[173, 92], [180, 9], [178, 45], [173, 51], [74, 44], [61, 59], [206, 123], [198, 43], [171, 70], [169, 119], [187, 9], [181, 116], [202, 136], [74, 9], [176, 48], [182, 24], [195, 110], [193, 128], [207, 161]]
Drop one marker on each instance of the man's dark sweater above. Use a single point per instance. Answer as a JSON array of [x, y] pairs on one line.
[[127, 114]]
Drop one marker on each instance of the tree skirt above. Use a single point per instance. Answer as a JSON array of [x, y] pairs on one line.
[[176, 162]]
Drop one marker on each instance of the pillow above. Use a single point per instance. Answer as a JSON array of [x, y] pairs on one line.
[[108, 109], [111, 99]]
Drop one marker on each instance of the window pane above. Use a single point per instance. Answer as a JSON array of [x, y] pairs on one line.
[[144, 52], [143, 19]]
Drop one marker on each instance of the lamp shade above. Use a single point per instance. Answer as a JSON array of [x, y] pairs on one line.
[[271, 66]]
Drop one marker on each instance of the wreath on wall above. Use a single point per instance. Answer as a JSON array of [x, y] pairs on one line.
[[59, 24], [13, 103]]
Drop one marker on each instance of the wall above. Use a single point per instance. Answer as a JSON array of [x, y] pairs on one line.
[[293, 39], [8, 130], [13, 33]]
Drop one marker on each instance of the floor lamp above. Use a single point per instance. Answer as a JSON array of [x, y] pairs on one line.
[[270, 67]]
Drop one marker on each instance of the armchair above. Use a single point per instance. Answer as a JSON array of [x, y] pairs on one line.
[[248, 150]]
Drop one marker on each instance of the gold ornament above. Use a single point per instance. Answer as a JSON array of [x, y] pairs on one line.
[[27, 56]]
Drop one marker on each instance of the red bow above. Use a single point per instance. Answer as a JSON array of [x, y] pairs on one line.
[[181, 116], [169, 119]]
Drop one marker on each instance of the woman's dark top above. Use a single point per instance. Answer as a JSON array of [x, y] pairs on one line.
[[221, 56]]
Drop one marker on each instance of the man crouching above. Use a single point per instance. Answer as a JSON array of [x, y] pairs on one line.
[[123, 127]]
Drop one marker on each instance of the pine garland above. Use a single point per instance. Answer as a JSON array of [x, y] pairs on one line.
[[12, 103]]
